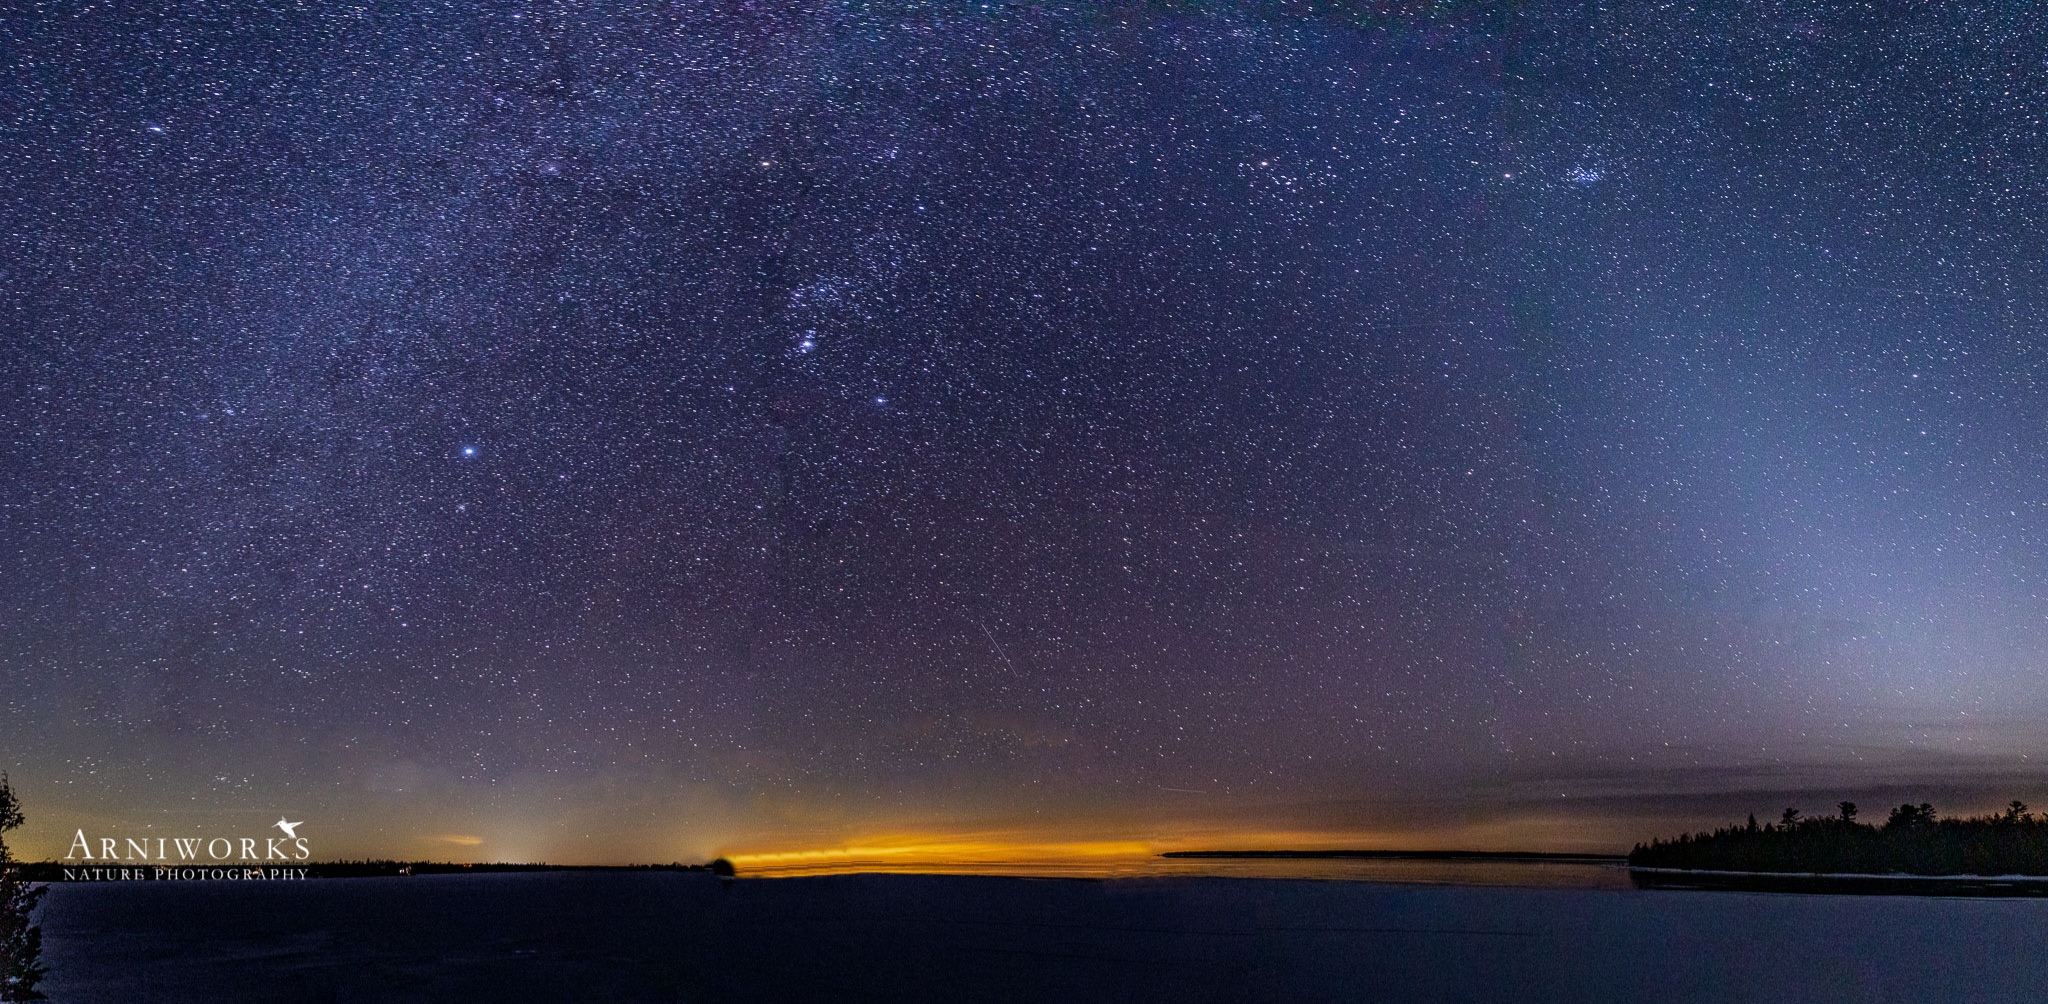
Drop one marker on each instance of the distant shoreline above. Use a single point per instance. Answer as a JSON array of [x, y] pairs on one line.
[[1839, 883], [1406, 855], [1845, 876]]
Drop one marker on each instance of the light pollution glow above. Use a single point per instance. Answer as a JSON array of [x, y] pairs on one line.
[[1024, 853]]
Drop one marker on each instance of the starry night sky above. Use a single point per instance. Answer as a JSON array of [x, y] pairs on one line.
[[635, 431]]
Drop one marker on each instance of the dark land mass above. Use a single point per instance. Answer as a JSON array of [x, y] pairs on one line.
[[687, 936], [1404, 855], [1912, 842]]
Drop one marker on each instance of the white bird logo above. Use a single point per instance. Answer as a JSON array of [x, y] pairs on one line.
[[290, 829]]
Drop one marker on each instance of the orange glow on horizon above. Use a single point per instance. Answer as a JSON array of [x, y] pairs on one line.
[[1024, 854], [943, 855]]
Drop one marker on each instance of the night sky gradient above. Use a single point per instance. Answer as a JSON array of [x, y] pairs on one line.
[[638, 431]]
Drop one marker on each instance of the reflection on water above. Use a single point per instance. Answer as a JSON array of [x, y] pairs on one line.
[[1511, 872]]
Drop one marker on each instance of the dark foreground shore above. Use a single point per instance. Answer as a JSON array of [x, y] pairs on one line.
[[578, 936]]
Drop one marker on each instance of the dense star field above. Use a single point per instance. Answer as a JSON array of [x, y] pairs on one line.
[[605, 432]]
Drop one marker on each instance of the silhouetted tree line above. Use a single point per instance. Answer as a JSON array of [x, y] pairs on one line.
[[1912, 841]]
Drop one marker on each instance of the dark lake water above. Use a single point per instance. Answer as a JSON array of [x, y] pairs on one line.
[[570, 936]]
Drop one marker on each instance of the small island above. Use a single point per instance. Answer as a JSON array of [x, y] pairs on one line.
[[1912, 842]]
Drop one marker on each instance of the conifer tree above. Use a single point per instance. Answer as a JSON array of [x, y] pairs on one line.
[[21, 942]]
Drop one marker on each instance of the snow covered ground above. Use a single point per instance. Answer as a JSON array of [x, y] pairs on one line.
[[568, 936]]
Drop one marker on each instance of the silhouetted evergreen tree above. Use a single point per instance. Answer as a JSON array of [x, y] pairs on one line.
[[21, 943], [1910, 815]]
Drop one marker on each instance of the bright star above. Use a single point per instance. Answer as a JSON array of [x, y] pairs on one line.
[[469, 451]]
